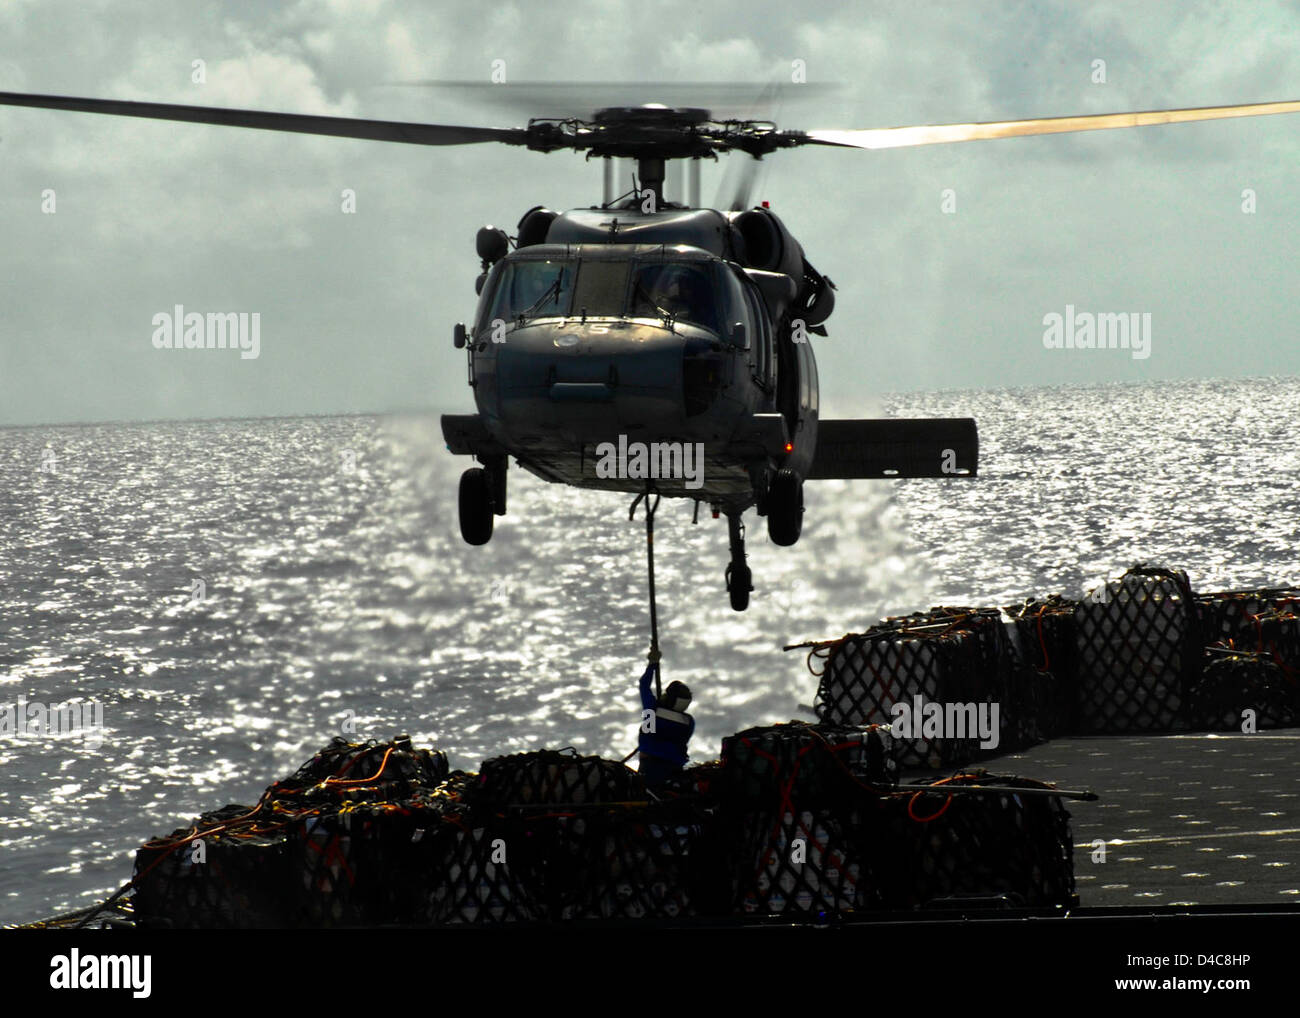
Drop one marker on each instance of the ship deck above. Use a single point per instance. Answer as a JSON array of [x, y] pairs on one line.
[[1187, 819]]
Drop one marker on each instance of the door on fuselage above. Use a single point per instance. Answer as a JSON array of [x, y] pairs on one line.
[[759, 346]]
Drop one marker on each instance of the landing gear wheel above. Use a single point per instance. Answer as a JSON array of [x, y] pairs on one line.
[[739, 583], [739, 579], [785, 508], [476, 506]]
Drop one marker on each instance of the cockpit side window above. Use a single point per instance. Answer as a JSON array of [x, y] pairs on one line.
[[532, 287], [680, 289], [487, 297]]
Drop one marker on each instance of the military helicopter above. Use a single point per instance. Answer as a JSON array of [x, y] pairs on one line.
[[650, 345]]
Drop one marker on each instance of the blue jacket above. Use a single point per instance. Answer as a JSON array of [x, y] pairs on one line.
[[673, 730]]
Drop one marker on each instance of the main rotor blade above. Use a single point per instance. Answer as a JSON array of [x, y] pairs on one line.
[[299, 123], [900, 137]]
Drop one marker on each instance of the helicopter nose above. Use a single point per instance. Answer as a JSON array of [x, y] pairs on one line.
[[580, 384]]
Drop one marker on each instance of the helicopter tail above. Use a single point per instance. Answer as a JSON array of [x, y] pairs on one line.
[[896, 447]]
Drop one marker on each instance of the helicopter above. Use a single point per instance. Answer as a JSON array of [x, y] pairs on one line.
[[649, 345]]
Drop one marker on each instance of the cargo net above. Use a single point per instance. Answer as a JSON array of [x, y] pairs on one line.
[[1138, 649], [793, 820], [555, 836], [793, 833], [330, 845], [552, 777], [379, 771], [1264, 622], [534, 837], [775, 764], [631, 862], [1128, 658], [977, 846], [648, 863], [1242, 692], [1252, 659], [803, 862], [809, 827], [948, 656], [1042, 634]]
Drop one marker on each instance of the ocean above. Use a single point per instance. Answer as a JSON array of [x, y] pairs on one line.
[[234, 593]]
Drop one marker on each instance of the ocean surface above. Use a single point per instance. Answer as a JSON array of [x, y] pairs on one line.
[[234, 593]]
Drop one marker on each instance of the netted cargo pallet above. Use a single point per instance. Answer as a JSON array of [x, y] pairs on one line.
[[802, 862], [792, 840], [1030, 701], [377, 771], [1235, 683], [1044, 643], [1138, 651], [652, 862], [794, 820], [366, 865], [552, 836], [192, 880], [945, 656], [486, 873], [977, 846], [805, 850], [550, 777], [1229, 616], [1264, 622], [774, 765], [357, 854], [320, 848]]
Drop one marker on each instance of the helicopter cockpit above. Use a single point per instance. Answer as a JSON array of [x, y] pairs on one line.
[[657, 285]]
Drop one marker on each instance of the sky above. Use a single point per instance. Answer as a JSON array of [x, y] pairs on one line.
[[949, 259]]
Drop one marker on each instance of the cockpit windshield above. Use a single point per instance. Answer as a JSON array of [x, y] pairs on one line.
[[607, 288], [680, 290], [533, 287]]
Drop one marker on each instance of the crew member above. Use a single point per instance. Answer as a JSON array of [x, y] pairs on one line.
[[687, 297], [665, 731]]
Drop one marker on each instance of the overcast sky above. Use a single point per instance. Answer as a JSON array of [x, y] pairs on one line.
[[357, 309]]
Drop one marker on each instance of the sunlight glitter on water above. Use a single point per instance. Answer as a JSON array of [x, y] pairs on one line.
[[331, 593]]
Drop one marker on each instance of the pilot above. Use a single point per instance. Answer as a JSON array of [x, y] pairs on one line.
[[687, 297], [665, 730]]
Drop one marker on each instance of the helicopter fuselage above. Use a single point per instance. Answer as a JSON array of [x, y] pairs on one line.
[[666, 352], [591, 367]]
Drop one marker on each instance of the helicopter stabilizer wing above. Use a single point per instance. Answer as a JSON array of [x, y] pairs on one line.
[[896, 447]]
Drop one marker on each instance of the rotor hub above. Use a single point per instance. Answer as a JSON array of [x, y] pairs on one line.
[[651, 115]]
